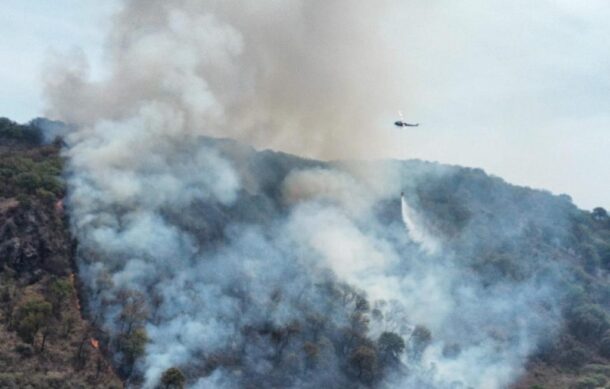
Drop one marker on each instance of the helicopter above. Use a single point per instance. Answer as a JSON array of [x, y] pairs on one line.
[[402, 123]]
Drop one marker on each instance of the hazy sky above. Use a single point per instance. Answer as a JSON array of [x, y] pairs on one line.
[[519, 88]]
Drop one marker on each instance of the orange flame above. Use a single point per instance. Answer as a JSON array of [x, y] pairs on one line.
[[95, 343]]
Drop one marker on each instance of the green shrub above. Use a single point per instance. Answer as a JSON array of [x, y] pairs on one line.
[[173, 378], [132, 346], [10, 380], [19, 132], [420, 339], [588, 322], [590, 382], [364, 362], [31, 317], [573, 356], [29, 171], [391, 344], [60, 290]]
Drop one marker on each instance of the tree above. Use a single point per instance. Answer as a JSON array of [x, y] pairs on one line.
[[29, 181], [48, 329], [600, 214], [588, 322], [59, 291], [360, 322], [573, 355], [27, 133], [9, 298], [364, 360], [134, 311], [132, 346], [132, 337], [173, 378], [32, 316], [420, 339], [312, 352], [391, 344], [82, 352]]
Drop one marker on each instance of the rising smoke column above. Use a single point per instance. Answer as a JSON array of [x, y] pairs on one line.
[[178, 70], [159, 213], [307, 77]]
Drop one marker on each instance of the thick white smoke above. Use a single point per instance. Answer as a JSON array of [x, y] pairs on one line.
[[193, 227], [482, 336]]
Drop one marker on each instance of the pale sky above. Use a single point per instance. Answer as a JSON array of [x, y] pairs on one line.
[[33, 30], [519, 88]]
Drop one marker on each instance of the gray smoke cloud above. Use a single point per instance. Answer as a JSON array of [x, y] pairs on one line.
[[301, 76], [222, 246]]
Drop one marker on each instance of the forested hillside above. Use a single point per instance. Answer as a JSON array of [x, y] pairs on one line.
[[44, 341], [516, 233], [286, 272]]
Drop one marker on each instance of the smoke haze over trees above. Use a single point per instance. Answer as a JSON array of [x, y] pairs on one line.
[[208, 263]]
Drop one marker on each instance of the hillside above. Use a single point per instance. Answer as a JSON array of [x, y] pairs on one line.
[[238, 268], [513, 233], [507, 239], [44, 341]]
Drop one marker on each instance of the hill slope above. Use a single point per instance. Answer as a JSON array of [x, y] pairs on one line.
[[247, 269], [44, 341]]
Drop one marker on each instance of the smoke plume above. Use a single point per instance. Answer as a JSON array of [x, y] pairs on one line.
[[250, 269], [301, 76]]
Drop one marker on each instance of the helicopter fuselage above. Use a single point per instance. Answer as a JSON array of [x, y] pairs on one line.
[[403, 124]]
